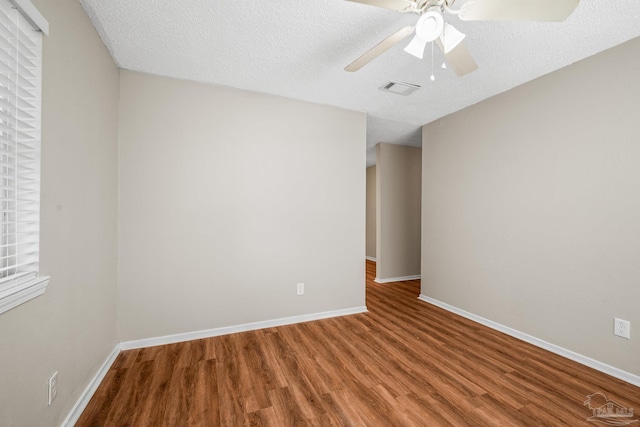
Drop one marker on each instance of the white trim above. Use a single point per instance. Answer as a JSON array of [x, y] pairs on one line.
[[188, 336], [371, 258], [397, 279], [32, 14], [22, 293], [88, 392], [576, 357]]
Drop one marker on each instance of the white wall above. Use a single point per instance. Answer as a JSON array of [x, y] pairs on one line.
[[531, 207], [398, 195], [227, 200], [371, 212], [72, 327]]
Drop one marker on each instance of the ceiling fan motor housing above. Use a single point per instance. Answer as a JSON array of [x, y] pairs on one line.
[[430, 25]]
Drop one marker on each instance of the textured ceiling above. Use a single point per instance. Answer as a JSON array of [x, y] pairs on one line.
[[299, 49]]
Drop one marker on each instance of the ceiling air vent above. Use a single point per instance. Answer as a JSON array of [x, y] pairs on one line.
[[399, 88]]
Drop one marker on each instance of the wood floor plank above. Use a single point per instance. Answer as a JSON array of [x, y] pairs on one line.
[[301, 391], [287, 412], [125, 359], [181, 394], [271, 353], [254, 380], [231, 403], [148, 353], [304, 355], [152, 410], [339, 416], [404, 363], [423, 412], [206, 410]]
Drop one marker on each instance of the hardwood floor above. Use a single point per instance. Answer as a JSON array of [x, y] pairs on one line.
[[404, 363]]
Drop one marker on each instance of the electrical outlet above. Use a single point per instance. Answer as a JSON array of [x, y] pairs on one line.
[[53, 387], [300, 288], [622, 328]]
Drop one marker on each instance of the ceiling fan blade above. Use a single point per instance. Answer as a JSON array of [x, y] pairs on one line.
[[379, 49], [459, 59], [400, 5], [517, 10]]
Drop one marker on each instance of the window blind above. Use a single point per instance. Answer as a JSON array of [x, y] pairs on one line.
[[20, 91]]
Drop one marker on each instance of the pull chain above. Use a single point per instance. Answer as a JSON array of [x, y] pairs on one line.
[[433, 77], [444, 64]]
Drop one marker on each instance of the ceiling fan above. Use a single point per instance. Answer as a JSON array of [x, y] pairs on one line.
[[431, 26]]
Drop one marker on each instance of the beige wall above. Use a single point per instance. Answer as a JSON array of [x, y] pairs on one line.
[[398, 184], [72, 327], [227, 200], [371, 212], [531, 207]]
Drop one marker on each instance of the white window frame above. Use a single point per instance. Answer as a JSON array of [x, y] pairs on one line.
[[21, 282]]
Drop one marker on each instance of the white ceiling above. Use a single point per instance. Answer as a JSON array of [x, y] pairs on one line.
[[298, 50]]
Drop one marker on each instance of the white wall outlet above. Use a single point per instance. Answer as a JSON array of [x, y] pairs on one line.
[[53, 387], [300, 288], [622, 328]]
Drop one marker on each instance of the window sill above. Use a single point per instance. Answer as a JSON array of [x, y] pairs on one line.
[[22, 293]]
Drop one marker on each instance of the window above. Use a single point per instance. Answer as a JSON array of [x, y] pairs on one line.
[[21, 29]]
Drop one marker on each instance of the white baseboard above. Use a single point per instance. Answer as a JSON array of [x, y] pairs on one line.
[[188, 336], [397, 279], [88, 392], [576, 357], [370, 258]]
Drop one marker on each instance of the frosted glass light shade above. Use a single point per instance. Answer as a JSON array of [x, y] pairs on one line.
[[450, 38], [416, 47]]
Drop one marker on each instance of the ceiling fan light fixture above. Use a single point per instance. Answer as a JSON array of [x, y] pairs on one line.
[[416, 47], [450, 38], [430, 26]]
